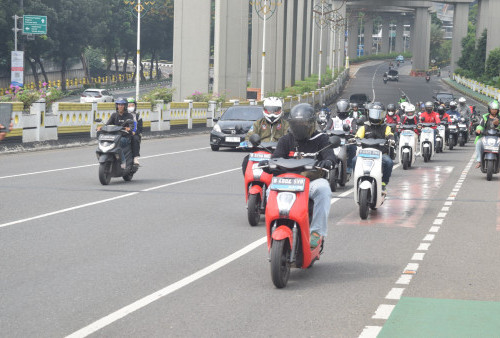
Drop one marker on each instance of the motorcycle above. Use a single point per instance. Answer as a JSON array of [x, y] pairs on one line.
[[257, 181], [323, 120], [427, 141], [338, 175], [109, 152], [427, 78], [440, 137], [288, 215], [407, 145], [476, 121], [463, 132], [368, 175], [452, 133], [385, 78], [490, 156]]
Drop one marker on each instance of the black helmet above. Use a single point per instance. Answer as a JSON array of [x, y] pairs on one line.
[[302, 121], [376, 113], [354, 105], [441, 110], [391, 109], [343, 109]]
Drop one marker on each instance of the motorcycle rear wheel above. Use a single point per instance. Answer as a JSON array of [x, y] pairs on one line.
[[490, 167], [253, 208], [427, 156], [280, 265], [105, 173], [450, 144], [364, 202]]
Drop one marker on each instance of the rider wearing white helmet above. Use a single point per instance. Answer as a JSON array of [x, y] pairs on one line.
[[410, 117], [271, 127], [462, 108]]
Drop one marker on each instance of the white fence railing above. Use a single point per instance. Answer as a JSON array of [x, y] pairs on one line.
[[79, 118], [478, 87]]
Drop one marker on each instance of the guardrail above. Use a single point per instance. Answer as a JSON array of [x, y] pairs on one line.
[[68, 118], [478, 87]]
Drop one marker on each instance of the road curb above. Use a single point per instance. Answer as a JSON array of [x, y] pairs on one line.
[[467, 91]]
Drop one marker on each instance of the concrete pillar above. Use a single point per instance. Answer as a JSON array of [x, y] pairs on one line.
[[493, 27], [301, 31], [399, 36], [368, 40], [323, 53], [460, 25], [482, 17], [339, 4], [281, 49], [385, 36], [231, 48], [308, 47], [191, 47], [421, 39], [291, 42], [352, 39]]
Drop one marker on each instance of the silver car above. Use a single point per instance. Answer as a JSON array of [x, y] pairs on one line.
[[96, 95]]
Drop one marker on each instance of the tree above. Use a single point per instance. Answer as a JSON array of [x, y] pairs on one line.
[[493, 64]]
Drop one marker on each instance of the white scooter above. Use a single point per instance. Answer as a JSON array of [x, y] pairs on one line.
[[368, 175], [440, 138], [408, 142], [427, 141]]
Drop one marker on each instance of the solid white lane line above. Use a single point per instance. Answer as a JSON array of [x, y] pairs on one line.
[[110, 199], [424, 246], [383, 311], [404, 279], [344, 194], [95, 164], [418, 256], [438, 221], [434, 229], [124, 311], [429, 237], [370, 332], [395, 293]]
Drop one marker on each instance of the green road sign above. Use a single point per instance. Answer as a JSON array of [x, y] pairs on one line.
[[34, 24]]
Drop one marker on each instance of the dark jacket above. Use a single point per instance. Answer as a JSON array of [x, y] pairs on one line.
[[140, 127], [287, 147], [118, 120]]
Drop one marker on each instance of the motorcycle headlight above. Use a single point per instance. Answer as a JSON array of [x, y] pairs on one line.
[[257, 172], [217, 128], [285, 202], [367, 166], [491, 141]]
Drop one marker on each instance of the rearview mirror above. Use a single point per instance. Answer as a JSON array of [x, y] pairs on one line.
[[346, 127], [98, 120], [255, 140], [335, 141]]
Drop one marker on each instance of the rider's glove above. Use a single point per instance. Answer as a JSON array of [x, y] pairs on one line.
[[326, 164], [392, 142], [244, 144]]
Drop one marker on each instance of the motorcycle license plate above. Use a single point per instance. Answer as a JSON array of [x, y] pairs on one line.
[[462, 126], [107, 138], [407, 133], [453, 127], [232, 139], [366, 153], [342, 141], [427, 130], [259, 157], [288, 184]]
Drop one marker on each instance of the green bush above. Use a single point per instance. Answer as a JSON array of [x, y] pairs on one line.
[[159, 93], [379, 57]]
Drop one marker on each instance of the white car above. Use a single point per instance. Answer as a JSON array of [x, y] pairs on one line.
[[96, 95]]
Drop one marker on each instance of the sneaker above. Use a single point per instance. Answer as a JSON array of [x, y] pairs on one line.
[[123, 165], [314, 240], [136, 160], [384, 188], [478, 164]]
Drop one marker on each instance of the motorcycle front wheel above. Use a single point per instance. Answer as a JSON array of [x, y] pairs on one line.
[[406, 161], [253, 209], [427, 155], [280, 265], [105, 173], [333, 179], [364, 203], [490, 168], [451, 144]]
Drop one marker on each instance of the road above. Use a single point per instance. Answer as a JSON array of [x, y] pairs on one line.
[[171, 253]]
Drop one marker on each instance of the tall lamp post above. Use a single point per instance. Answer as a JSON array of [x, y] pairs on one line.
[[336, 25], [322, 12], [265, 9], [141, 10]]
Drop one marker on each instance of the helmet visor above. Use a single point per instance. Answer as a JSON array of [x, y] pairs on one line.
[[376, 114], [272, 109], [301, 129]]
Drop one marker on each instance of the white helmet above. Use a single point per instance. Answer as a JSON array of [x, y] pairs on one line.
[[410, 109], [272, 109], [461, 100], [403, 105]]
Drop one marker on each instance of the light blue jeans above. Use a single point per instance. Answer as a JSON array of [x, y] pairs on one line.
[[321, 194], [479, 150]]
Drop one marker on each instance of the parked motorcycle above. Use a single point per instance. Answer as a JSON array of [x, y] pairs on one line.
[[368, 175], [407, 145], [256, 180], [427, 141], [489, 156], [109, 152]]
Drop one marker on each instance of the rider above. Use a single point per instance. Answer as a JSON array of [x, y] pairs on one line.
[[403, 99], [463, 109], [489, 121], [453, 110], [376, 128], [339, 121], [430, 116], [392, 118], [137, 135], [355, 112], [119, 118], [270, 128], [303, 137], [327, 111]]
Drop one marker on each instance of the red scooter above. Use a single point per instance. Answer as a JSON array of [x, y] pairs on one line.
[[288, 215], [256, 183]]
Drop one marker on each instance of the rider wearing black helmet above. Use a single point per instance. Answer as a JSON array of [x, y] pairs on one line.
[[137, 135], [304, 138]]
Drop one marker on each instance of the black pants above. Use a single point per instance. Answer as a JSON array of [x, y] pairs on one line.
[[136, 145]]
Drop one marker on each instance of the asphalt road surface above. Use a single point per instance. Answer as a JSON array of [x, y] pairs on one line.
[[170, 254]]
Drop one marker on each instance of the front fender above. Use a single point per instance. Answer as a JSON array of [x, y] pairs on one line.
[[283, 232], [365, 185], [255, 189], [104, 158]]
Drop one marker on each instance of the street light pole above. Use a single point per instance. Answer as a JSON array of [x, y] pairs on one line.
[[263, 68], [321, 41], [138, 63]]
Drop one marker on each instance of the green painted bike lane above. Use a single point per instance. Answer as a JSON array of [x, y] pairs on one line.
[[427, 317]]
